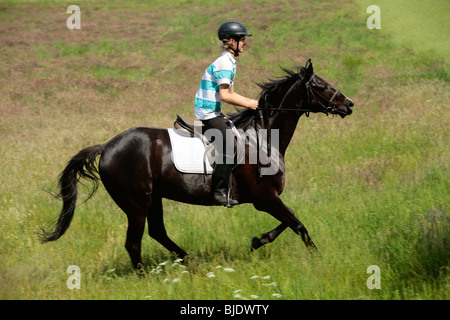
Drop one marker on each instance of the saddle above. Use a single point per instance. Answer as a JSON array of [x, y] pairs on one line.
[[189, 130], [186, 128]]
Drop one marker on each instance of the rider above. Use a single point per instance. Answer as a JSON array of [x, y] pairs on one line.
[[217, 86]]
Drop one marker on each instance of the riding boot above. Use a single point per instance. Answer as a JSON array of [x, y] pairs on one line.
[[219, 185]]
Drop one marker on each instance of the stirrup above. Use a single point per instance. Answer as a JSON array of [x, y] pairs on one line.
[[229, 199]]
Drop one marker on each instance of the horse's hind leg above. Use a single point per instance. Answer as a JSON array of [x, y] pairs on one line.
[[136, 225], [156, 228], [136, 212]]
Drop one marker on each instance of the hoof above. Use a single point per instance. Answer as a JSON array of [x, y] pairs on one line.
[[312, 248], [256, 243], [140, 270]]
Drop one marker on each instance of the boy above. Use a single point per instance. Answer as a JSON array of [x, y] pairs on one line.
[[217, 86]]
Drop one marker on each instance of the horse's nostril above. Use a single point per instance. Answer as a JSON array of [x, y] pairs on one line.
[[350, 104]]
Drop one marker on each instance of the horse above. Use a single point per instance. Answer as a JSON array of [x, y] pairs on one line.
[[137, 170]]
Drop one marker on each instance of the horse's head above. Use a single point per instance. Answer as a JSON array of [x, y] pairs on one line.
[[299, 92], [322, 97]]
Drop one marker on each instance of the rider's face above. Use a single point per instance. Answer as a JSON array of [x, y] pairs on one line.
[[242, 43]]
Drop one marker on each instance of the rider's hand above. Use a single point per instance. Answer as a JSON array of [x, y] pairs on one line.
[[253, 104]]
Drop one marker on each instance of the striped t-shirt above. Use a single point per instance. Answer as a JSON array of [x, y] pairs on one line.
[[207, 100]]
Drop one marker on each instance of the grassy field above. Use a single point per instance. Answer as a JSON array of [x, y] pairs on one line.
[[372, 189]]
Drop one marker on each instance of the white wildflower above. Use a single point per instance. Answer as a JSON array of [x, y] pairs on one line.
[[157, 270], [236, 291], [270, 284], [253, 296], [266, 277], [176, 280], [178, 260], [163, 263], [228, 269], [254, 277], [210, 275], [276, 295], [218, 267]]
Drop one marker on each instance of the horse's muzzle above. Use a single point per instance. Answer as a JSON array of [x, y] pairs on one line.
[[349, 106], [344, 109]]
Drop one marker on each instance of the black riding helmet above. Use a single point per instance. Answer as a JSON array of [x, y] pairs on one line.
[[234, 30]]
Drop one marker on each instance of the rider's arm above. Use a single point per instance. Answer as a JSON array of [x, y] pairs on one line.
[[228, 95]]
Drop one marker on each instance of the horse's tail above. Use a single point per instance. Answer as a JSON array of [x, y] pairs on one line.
[[82, 165]]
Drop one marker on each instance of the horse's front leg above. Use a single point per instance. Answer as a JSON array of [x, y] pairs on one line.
[[275, 207], [268, 237]]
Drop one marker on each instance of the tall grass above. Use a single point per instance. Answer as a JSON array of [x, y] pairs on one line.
[[372, 189]]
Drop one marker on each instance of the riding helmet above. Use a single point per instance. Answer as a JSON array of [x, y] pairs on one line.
[[232, 29]]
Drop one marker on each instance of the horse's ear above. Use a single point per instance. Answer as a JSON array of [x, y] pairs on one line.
[[309, 68]]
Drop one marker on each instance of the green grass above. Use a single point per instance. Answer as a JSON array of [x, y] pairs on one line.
[[372, 189], [420, 25]]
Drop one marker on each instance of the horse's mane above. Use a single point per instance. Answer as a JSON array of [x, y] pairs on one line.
[[245, 118]]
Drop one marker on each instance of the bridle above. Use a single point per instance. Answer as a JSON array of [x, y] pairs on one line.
[[329, 105]]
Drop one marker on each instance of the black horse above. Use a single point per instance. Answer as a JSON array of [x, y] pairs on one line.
[[136, 166]]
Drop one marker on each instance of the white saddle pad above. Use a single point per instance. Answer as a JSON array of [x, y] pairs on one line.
[[188, 154]]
